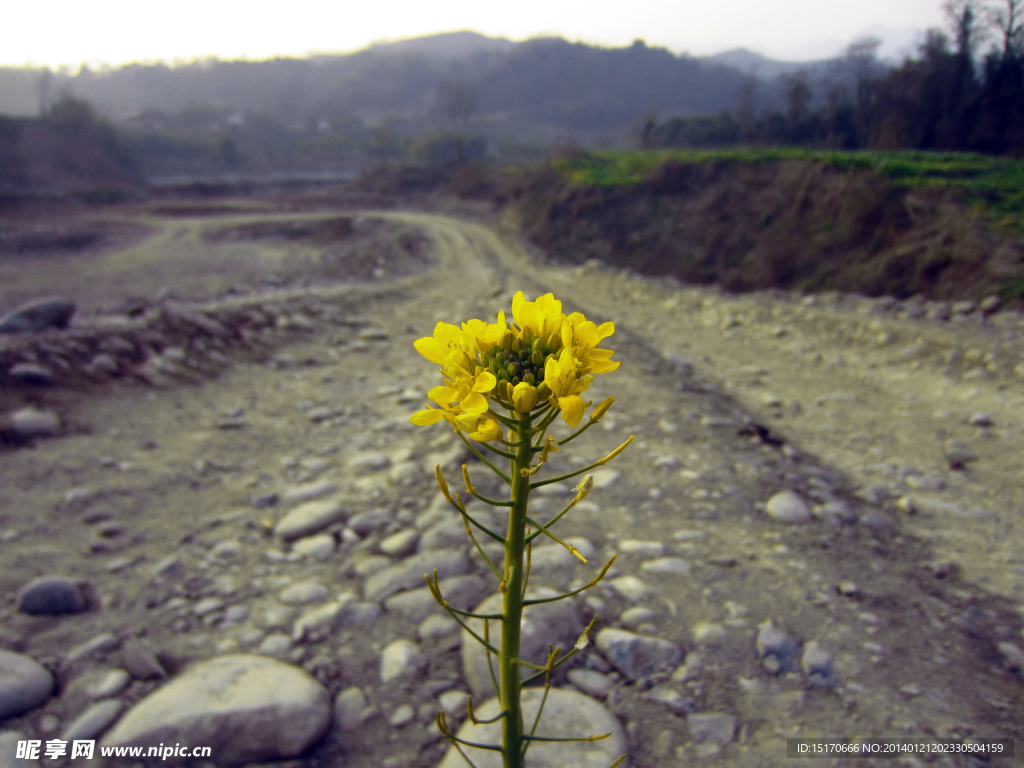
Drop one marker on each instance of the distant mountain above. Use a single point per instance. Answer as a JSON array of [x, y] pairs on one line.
[[764, 68], [449, 45]]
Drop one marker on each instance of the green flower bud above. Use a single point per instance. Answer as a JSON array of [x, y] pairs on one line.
[[537, 359], [517, 346], [525, 354], [515, 380], [538, 345], [527, 337], [500, 359], [513, 369], [530, 378], [503, 375]]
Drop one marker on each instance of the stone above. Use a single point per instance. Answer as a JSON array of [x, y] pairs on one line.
[[402, 715], [676, 565], [228, 549], [358, 614], [140, 660], [38, 315], [436, 627], [958, 454], [604, 477], [94, 721], [275, 645], [310, 518], [711, 727], [981, 419], [454, 703], [32, 374], [367, 522], [630, 587], [449, 533], [416, 604], [308, 491], [28, 423], [777, 649], [317, 623], [9, 750], [836, 512], [634, 617], [566, 713], [94, 646], [878, 523], [372, 461], [1013, 656], [110, 683], [637, 656], [319, 547], [816, 663], [708, 633], [303, 592], [401, 661], [51, 595], [642, 548], [557, 623], [349, 705], [246, 708], [990, 304], [670, 697], [24, 684], [409, 573], [207, 605], [788, 507], [401, 543], [591, 682]]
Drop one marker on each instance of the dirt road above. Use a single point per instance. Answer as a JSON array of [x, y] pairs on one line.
[[894, 608]]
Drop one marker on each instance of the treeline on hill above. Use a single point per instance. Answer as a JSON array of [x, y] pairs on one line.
[[942, 100], [67, 149]]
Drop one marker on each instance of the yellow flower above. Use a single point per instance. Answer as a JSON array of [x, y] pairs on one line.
[[524, 397], [487, 336], [543, 317], [582, 337], [561, 377], [446, 339]]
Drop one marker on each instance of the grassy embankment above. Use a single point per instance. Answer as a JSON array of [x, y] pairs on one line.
[[944, 225]]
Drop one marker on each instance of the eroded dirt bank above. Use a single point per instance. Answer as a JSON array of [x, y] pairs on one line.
[[164, 495]]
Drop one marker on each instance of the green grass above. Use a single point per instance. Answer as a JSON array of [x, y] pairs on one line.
[[994, 183]]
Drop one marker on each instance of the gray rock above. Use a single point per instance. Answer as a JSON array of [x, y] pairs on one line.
[[110, 683], [711, 727], [990, 304], [51, 595], [630, 587], [402, 715], [816, 663], [309, 518], [981, 419], [38, 315], [450, 533], [27, 423], [319, 547], [416, 604], [590, 682], [308, 491], [245, 708], [676, 565], [454, 703], [103, 363], [637, 656], [94, 721], [140, 660], [401, 661], [836, 512], [436, 627], [371, 461], [409, 573], [788, 507], [778, 650], [9, 751], [1013, 656], [557, 623], [101, 643], [24, 684], [400, 544], [671, 698], [349, 705], [369, 521], [303, 592], [958, 454], [275, 645], [31, 373], [566, 713], [358, 614], [634, 617], [642, 548], [878, 523]]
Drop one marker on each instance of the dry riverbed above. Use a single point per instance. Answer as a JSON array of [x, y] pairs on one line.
[[817, 526]]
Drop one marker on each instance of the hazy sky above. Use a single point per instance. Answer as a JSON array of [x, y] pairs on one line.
[[117, 31]]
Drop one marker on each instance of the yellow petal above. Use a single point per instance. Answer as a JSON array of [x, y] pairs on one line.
[[431, 349], [604, 366], [605, 330], [443, 395], [488, 430], [485, 382], [572, 409], [524, 397], [474, 403], [426, 418]]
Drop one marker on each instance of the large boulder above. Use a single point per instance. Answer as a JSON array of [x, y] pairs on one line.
[[566, 714], [38, 315], [245, 708]]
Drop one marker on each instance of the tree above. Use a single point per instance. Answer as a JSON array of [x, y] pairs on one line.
[[456, 101]]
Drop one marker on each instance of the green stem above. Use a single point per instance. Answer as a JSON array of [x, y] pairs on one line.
[[512, 608]]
